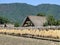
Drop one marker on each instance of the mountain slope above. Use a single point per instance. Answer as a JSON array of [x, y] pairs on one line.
[[16, 12]]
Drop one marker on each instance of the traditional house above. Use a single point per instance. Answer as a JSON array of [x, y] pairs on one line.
[[34, 21]]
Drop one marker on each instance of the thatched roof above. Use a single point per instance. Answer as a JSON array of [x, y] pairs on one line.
[[37, 20]]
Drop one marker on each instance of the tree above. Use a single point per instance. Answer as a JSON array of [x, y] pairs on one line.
[[3, 20], [51, 20], [40, 14], [58, 22]]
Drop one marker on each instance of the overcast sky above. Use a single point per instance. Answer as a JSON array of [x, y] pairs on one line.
[[32, 2]]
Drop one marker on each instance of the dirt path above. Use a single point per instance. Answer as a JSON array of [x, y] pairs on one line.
[[13, 40]]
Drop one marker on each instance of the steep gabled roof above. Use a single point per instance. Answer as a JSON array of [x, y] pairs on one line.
[[37, 20]]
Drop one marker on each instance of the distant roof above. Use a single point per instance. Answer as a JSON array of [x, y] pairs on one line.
[[37, 20]]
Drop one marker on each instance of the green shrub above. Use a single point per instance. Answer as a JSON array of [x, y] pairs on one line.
[[16, 25]]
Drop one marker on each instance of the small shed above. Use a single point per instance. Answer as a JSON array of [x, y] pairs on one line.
[[6, 25], [10, 25], [31, 21]]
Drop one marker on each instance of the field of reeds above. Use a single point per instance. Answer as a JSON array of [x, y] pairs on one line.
[[50, 33]]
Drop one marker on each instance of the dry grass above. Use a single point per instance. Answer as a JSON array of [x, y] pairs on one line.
[[45, 33]]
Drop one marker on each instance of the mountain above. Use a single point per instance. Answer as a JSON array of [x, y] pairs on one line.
[[16, 12]]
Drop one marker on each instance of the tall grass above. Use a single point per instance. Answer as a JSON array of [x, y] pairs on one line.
[[36, 32]]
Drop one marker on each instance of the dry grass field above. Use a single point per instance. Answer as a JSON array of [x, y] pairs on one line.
[[13, 40], [44, 33]]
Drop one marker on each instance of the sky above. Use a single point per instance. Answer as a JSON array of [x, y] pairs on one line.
[[32, 2]]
